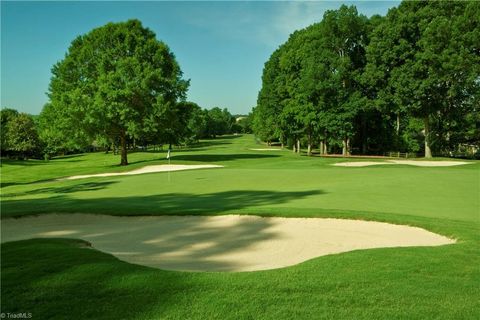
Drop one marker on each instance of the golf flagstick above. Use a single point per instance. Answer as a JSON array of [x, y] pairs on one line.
[[168, 157]]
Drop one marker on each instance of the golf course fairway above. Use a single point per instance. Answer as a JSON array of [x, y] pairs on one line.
[[63, 276]]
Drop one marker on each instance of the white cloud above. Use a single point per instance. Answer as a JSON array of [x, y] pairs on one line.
[[267, 23]]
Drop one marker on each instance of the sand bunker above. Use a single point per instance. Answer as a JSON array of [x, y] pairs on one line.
[[219, 243], [147, 169], [267, 149], [419, 163]]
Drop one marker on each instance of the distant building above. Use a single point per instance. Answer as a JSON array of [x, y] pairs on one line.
[[237, 119]]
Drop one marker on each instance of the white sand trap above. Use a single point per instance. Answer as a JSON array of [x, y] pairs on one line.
[[219, 243], [419, 163], [359, 164], [267, 149], [147, 169], [423, 163]]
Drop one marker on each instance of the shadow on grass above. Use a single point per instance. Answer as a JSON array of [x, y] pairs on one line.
[[62, 278], [229, 137], [170, 203], [70, 156], [24, 163], [38, 162], [178, 243], [131, 163], [209, 143], [221, 157], [67, 281], [221, 140], [88, 186], [8, 184]]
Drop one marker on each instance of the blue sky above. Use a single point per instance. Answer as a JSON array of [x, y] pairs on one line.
[[220, 46]]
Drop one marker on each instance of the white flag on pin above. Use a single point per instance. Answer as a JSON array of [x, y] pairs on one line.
[[168, 154]]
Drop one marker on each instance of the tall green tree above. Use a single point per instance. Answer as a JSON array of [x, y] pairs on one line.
[[311, 84], [344, 36], [270, 102], [424, 59], [118, 80]]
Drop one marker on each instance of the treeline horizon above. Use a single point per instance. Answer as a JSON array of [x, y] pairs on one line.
[[25, 135], [407, 82]]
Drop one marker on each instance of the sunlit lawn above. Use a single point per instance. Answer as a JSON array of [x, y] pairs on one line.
[[61, 278]]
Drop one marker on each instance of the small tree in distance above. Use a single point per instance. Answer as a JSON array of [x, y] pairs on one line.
[[21, 136]]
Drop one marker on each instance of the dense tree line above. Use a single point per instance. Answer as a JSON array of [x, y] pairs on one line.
[[26, 136], [398, 82]]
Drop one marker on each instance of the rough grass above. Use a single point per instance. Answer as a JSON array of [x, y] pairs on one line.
[[59, 278]]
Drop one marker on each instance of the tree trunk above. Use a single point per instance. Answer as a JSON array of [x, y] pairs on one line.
[[321, 147], [397, 127], [428, 151], [123, 141], [298, 145], [345, 147], [364, 134], [325, 143], [309, 145]]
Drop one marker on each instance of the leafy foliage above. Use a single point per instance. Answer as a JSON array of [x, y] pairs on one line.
[[218, 122], [20, 137], [352, 79], [119, 81], [6, 115], [424, 64]]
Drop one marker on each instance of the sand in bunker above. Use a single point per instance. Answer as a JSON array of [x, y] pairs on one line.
[[147, 169], [420, 163], [219, 243]]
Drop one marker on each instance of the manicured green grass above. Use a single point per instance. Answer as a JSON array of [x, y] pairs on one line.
[[58, 278], [273, 182]]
